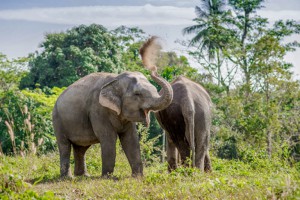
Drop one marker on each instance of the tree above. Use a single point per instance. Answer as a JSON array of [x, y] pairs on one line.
[[212, 35], [11, 72], [129, 35], [252, 47], [68, 56], [248, 28], [25, 116], [259, 52]]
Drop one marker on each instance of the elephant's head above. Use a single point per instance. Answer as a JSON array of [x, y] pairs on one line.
[[132, 96]]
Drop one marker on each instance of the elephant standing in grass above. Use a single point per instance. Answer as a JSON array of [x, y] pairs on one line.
[[187, 123], [101, 107]]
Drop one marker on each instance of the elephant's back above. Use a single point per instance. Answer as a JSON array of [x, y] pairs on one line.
[[186, 90], [87, 83], [79, 91], [192, 96], [76, 96]]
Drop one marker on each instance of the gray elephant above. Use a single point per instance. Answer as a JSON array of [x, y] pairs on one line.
[[101, 107], [187, 124]]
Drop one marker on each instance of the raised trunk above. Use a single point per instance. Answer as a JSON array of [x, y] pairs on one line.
[[167, 93]]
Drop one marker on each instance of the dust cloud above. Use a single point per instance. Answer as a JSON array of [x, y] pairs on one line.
[[150, 52]]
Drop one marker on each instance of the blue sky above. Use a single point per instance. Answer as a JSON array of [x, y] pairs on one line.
[[23, 23]]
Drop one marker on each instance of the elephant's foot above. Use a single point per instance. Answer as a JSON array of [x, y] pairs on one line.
[[66, 174], [66, 177], [172, 166], [83, 174], [137, 175], [137, 170], [110, 177]]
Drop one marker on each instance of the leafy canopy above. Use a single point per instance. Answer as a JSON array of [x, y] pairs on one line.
[[70, 55]]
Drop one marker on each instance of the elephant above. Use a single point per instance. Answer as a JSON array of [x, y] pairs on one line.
[[187, 122], [101, 107]]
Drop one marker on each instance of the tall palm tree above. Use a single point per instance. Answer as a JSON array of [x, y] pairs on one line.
[[211, 36], [209, 27]]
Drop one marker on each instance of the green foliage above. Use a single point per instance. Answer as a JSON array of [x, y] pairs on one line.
[[212, 36], [254, 176], [128, 36], [11, 72], [255, 108], [12, 186], [28, 113], [131, 40], [66, 57], [131, 60], [45, 97], [229, 149], [148, 145], [255, 144]]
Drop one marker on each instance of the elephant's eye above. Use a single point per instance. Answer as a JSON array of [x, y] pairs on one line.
[[138, 94]]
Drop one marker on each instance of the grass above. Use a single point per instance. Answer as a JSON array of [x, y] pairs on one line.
[[36, 177]]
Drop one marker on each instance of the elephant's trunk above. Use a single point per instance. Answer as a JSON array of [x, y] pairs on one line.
[[167, 93]]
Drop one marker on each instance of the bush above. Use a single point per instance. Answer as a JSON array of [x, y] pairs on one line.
[[12, 186], [148, 148], [228, 150], [26, 122]]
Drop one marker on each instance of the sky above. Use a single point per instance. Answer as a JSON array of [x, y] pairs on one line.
[[24, 23]]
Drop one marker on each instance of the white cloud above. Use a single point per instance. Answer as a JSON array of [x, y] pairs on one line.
[[179, 3], [123, 15], [165, 21], [273, 15], [105, 15]]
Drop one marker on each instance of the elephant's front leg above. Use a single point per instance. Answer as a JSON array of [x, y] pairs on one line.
[[108, 138], [108, 153], [131, 146]]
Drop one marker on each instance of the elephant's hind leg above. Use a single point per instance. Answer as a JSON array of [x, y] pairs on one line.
[[172, 154], [189, 115], [202, 150], [64, 146], [207, 163], [79, 157]]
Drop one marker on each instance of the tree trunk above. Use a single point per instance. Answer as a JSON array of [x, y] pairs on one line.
[[269, 143], [163, 147], [1, 151], [269, 132]]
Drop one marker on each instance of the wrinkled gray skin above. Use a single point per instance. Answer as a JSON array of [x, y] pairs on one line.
[[101, 107], [187, 124]]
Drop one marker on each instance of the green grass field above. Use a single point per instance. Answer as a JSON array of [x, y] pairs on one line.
[[35, 177]]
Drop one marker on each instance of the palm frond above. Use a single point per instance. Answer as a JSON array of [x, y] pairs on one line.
[[200, 12], [212, 20], [193, 29], [217, 6], [205, 5], [198, 38]]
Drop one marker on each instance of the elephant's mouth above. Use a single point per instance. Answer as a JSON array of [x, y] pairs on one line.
[[145, 116], [141, 116]]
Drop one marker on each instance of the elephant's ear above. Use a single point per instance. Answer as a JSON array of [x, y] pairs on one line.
[[109, 96]]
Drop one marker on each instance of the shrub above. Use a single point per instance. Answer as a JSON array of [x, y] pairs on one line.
[[26, 122]]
